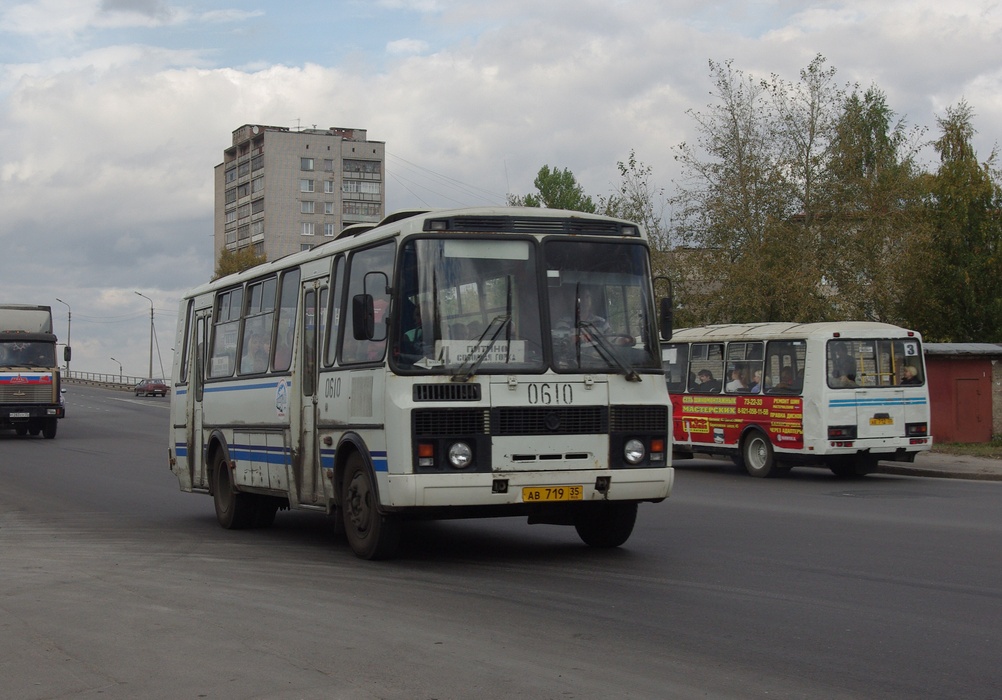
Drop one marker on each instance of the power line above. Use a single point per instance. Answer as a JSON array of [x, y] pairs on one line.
[[478, 194]]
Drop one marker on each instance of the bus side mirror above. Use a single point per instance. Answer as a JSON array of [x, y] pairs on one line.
[[363, 317], [66, 354], [666, 318]]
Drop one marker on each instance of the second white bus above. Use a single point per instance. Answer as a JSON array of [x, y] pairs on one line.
[[775, 395]]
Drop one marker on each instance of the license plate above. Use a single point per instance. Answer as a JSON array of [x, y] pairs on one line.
[[20, 415], [881, 421], [538, 494]]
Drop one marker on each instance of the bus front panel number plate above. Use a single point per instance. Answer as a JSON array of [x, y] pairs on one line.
[[542, 494]]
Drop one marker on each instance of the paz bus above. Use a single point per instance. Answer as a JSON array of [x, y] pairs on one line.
[[775, 395], [441, 364]]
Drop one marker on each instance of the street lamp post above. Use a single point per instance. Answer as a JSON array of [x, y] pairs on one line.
[[119, 370], [69, 327], [150, 374]]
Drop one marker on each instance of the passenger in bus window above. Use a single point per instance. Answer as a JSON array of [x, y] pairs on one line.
[[255, 357], [707, 384], [845, 381], [756, 381], [785, 385], [737, 382], [910, 375]]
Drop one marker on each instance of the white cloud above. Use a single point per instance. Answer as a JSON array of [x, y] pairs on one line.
[[406, 46], [107, 149]]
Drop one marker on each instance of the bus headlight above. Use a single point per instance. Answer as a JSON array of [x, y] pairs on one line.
[[460, 455], [633, 451]]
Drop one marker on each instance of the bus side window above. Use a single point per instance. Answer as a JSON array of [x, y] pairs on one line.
[[706, 368], [364, 267], [784, 367], [335, 311], [286, 321], [676, 361]]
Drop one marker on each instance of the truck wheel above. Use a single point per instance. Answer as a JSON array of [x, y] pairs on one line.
[[49, 429], [371, 534], [234, 510], [757, 454], [606, 525]]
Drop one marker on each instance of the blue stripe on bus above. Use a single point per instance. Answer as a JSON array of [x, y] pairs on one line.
[[260, 453], [865, 402], [240, 387], [180, 392], [278, 455], [327, 457]]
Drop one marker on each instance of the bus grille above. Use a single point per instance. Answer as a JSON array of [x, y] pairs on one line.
[[447, 392], [582, 420], [450, 421], [26, 393], [646, 419]]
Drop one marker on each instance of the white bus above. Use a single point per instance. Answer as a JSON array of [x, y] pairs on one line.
[[775, 395], [442, 364]]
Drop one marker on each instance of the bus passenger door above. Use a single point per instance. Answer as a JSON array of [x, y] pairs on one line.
[[196, 443], [307, 464]]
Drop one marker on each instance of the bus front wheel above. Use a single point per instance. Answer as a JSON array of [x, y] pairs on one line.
[[234, 510], [370, 533], [606, 525], [757, 455]]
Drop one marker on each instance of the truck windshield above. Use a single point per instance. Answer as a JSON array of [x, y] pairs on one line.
[[27, 353], [470, 306]]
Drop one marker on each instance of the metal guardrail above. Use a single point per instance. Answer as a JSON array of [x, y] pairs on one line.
[[108, 381]]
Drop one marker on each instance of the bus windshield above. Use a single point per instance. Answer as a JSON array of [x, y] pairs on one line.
[[475, 306]]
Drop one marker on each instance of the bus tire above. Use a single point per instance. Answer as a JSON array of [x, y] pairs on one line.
[[234, 510], [606, 525], [370, 533], [49, 428], [21, 429], [758, 456]]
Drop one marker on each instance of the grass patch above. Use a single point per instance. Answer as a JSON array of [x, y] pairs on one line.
[[990, 450]]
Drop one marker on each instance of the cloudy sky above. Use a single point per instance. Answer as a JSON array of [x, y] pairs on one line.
[[113, 113]]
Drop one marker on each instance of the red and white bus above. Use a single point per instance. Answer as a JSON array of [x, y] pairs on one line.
[[776, 395]]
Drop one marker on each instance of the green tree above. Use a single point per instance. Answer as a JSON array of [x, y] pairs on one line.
[[557, 189], [874, 214], [741, 257], [236, 261], [797, 202], [958, 281]]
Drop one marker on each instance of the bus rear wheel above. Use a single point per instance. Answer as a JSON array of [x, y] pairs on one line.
[[234, 510], [370, 533], [758, 456], [606, 525]]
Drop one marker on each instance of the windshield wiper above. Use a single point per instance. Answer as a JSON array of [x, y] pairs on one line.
[[463, 374], [605, 349]]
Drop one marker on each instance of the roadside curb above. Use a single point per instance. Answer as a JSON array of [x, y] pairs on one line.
[[973, 475]]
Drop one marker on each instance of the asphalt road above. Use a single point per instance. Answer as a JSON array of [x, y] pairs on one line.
[[113, 584]]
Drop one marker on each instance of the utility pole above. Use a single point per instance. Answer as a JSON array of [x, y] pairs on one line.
[[119, 370], [69, 327], [150, 374]]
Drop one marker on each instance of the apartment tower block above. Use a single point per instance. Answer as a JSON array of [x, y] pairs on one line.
[[282, 190]]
